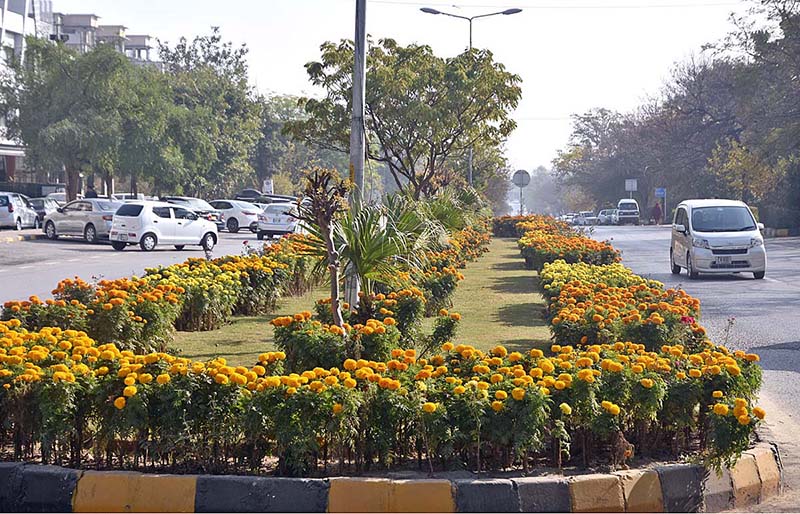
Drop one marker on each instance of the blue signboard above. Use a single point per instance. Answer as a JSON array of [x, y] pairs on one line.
[[661, 192]]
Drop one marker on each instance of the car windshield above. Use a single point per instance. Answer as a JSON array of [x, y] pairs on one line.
[[722, 219], [628, 206], [279, 208], [196, 203], [129, 210], [37, 203], [108, 206], [246, 206]]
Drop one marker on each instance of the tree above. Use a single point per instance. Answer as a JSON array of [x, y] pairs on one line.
[[743, 173], [420, 109], [216, 122], [66, 107]]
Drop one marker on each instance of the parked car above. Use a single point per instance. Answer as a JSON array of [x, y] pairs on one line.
[[61, 197], [248, 195], [716, 236], [199, 207], [43, 207], [627, 212], [89, 218], [606, 216], [150, 224], [16, 211], [238, 214], [585, 218], [278, 219]]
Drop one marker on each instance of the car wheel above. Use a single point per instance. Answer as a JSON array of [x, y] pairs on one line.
[[50, 231], [758, 275], [260, 235], [690, 268], [118, 245], [90, 234], [676, 270], [179, 247], [36, 223], [233, 225], [208, 242], [18, 224], [148, 242]]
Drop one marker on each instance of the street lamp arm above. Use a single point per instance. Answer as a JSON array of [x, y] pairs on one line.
[[490, 14], [456, 16]]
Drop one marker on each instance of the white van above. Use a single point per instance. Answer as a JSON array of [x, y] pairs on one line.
[[716, 236], [627, 212], [152, 223]]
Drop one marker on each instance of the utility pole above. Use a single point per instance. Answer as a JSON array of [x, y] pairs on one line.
[[357, 136]]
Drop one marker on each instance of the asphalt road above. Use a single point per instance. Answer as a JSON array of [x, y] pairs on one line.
[[762, 316], [35, 267]]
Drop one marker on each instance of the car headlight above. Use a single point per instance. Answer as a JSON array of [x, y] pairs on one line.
[[700, 243], [756, 241]]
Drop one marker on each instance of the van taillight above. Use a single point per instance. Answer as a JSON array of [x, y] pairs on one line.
[[10, 207]]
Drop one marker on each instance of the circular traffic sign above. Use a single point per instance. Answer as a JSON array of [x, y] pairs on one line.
[[521, 178]]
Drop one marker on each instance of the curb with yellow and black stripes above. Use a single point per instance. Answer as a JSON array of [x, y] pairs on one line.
[[671, 488], [20, 237]]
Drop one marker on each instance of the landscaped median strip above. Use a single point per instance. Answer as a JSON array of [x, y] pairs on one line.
[[669, 488]]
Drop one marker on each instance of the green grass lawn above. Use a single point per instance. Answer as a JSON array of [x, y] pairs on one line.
[[497, 300]]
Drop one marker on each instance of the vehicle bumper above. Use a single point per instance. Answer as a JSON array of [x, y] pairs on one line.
[[705, 261], [627, 219], [276, 229]]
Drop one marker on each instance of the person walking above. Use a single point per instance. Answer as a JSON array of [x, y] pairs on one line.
[[656, 213], [91, 193]]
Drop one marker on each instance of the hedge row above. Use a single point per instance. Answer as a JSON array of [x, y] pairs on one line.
[[140, 313]]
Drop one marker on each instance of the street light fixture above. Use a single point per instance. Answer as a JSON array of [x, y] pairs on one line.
[[430, 10]]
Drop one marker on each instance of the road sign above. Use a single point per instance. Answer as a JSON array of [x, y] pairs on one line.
[[661, 192], [521, 178], [630, 184]]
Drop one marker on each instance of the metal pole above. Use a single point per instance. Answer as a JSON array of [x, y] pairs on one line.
[[665, 205], [520, 201], [469, 158], [357, 138]]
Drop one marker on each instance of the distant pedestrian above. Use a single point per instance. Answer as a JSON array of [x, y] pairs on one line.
[[656, 213], [91, 193]]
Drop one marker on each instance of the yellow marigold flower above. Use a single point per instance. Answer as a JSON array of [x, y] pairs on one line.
[[455, 316], [497, 406], [720, 409], [497, 377], [518, 393], [129, 391], [759, 413], [695, 373], [349, 383], [614, 410], [337, 408], [220, 379], [565, 409], [560, 384], [389, 321], [459, 390], [744, 419], [429, 407], [290, 391], [120, 402], [752, 357], [646, 383], [717, 394], [501, 395], [443, 312], [130, 379], [446, 347], [163, 378], [500, 351], [145, 378]]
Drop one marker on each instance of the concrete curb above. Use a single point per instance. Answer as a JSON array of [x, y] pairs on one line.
[[17, 238], [781, 232], [672, 488]]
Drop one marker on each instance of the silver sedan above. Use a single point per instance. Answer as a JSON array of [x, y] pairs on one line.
[[89, 218]]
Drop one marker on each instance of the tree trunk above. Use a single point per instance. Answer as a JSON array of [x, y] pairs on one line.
[[72, 182], [333, 266], [134, 189], [109, 180]]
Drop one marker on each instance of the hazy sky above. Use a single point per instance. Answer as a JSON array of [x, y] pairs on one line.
[[571, 54]]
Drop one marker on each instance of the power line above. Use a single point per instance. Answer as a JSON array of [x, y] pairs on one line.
[[561, 6]]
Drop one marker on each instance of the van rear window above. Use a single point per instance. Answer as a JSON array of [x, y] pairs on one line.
[[3, 201], [129, 210]]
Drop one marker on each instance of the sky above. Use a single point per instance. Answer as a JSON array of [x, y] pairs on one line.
[[572, 55]]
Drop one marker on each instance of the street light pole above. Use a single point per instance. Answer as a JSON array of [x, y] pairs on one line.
[[430, 10]]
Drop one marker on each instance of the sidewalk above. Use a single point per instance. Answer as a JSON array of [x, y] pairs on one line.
[[14, 236]]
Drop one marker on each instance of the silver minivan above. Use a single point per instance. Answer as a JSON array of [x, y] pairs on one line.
[[716, 236]]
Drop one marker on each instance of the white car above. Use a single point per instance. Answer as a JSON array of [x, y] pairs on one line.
[[150, 224], [89, 218], [627, 212], [606, 217], [585, 218], [238, 214], [278, 219], [16, 211], [716, 236]]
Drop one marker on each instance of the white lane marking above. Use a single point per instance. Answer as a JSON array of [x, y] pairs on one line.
[[769, 279], [25, 267]]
